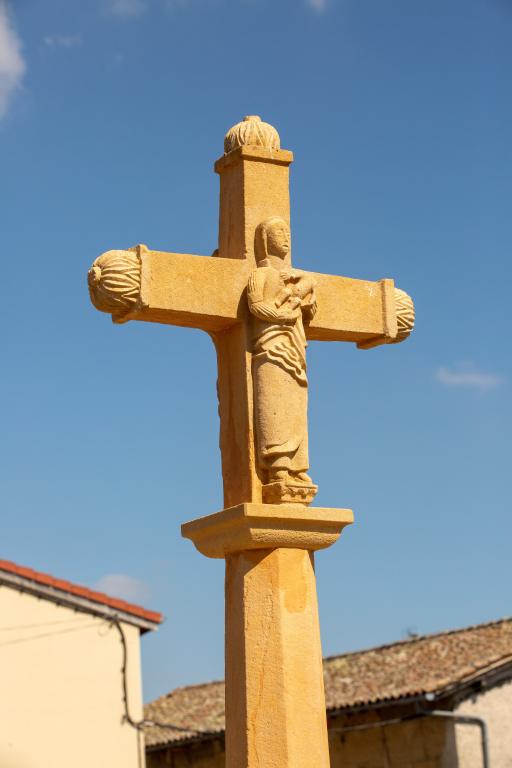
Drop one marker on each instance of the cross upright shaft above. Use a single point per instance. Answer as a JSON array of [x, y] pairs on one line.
[[254, 184], [259, 311]]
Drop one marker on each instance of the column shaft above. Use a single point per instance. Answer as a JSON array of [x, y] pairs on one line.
[[275, 703]]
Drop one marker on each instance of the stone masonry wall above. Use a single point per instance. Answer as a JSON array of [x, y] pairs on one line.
[[208, 754], [495, 707], [424, 743], [418, 744]]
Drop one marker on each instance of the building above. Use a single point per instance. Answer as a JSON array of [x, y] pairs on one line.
[[70, 671], [438, 701]]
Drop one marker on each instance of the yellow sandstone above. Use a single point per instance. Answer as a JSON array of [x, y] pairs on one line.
[[260, 312]]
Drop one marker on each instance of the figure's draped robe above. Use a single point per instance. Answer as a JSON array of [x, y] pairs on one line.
[[279, 378]]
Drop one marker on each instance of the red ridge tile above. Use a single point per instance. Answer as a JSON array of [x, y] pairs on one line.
[[76, 589]]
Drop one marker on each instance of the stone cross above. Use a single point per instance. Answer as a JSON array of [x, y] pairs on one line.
[[260, 311]]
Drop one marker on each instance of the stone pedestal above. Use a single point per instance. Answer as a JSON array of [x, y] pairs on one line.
[[275, 705]]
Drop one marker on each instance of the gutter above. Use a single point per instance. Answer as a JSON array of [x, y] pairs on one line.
[[75, 602]]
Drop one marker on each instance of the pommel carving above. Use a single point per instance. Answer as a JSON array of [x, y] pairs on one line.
[[114, 282], [252, 131], [404, 306]]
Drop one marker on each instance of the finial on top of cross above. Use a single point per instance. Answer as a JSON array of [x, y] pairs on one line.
[[251, 131]]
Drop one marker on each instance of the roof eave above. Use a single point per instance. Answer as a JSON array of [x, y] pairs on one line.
[[451, 695], [75, 602]]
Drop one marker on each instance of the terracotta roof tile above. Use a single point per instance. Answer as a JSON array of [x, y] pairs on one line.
[[436, 664], [79, 591], [193, 709]]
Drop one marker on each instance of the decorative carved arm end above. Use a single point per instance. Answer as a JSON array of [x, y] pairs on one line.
[[404, 307], [400, 316], [114, 282]]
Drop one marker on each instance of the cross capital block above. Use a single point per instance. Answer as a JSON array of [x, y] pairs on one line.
[[266, 526]]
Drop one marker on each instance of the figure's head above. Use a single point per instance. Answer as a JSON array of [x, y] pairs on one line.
[[272, 238]]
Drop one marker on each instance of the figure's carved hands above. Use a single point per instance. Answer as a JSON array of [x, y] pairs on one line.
[[289, 313], [294, 297], [289, 318], [282, 297], [267, 312]]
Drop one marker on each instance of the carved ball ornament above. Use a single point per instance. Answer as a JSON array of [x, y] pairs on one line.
[[252, 131], [404, 306], [114, 282]]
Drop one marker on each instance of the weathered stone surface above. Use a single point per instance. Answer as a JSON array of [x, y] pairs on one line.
[[282, 300], [266, 526], [208, 293], [251, 132], [259, 311], [114, 282]]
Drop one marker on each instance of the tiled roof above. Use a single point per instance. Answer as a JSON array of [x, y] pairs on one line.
[[45, 580], [194, 709], [437, 664]]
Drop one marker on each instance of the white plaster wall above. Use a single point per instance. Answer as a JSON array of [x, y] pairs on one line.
[[495, 706], [61, 701]]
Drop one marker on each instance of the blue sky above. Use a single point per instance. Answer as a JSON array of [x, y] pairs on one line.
[[399, 113]]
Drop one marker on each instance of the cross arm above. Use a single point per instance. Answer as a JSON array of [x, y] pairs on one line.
[[173, 288], [208, 292], [365, 312]]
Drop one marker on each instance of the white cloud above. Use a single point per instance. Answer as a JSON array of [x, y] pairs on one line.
[[123, 586], [12, 64], [63, 41], [468, 377], [126, 8], [318, 5]]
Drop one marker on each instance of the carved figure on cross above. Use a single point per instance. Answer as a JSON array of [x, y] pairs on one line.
[[281, 300]]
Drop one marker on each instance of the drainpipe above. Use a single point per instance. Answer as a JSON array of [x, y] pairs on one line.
[[467, 720], [458, 719]]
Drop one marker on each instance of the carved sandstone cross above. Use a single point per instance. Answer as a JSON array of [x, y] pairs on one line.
[[259, 311]]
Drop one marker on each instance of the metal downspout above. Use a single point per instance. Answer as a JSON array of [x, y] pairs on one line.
[[467, 720], [460, 719]]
